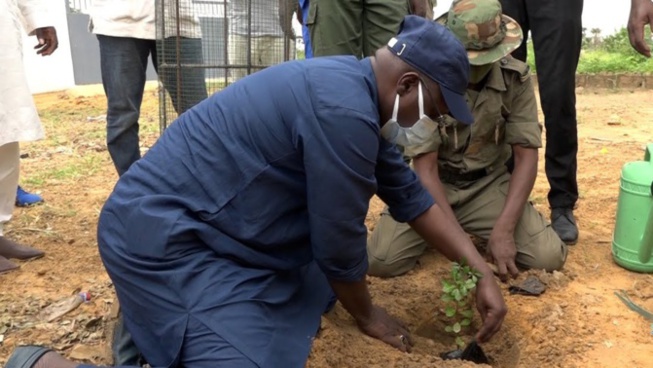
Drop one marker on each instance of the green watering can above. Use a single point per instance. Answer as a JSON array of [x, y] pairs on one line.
[[632, 243]]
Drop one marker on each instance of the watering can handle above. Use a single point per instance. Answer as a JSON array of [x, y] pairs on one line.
[[646, 245]]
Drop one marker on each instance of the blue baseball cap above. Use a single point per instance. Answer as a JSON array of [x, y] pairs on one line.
[[435, 52]]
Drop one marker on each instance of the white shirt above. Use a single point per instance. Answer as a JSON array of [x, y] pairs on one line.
[[19, 120], [137, 18]]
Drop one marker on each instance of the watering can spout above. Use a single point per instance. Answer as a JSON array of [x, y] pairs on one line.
[[649, 153]]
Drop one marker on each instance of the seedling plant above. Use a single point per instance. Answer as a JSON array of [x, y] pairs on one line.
[[457, 296]]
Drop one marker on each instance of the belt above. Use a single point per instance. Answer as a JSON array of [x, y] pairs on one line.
[[452, 176]]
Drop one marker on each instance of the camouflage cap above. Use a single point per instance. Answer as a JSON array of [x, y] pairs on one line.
[[487, 34]]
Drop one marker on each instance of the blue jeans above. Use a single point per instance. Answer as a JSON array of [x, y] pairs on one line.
[[124, 65], [123, 62], [125, 352]]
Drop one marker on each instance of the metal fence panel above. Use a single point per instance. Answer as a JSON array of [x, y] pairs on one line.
[[204, 45]]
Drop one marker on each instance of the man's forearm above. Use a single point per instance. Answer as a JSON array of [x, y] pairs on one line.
[[520, 187], [355, 298], [426, 168]]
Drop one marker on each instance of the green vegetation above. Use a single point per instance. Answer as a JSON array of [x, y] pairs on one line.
[[609, 54], [457, 294]]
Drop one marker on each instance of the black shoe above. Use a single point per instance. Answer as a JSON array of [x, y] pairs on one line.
[[564, 224]]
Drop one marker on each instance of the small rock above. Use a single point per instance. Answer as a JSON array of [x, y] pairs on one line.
[[551, 329], [614, 120]]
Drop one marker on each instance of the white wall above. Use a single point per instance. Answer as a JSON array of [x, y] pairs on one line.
[[54, 72]]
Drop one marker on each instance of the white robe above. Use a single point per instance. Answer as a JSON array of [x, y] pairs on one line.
[[19, 120]]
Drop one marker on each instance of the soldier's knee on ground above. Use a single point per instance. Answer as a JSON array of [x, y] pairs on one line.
[[544, 251], [386, 268], [394, 248]]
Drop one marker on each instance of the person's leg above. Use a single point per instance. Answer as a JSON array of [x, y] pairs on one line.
[[123, 348], [538, 246], [9, 169], [167, 280], [189, 87], [203, 348], [516, 9], [336, 27], [9, 173], [481, 204], [557, 32], [238, 56], [306, 35], [42, 357], [270, 51], [123, 63], [393, 248], [381, 21]]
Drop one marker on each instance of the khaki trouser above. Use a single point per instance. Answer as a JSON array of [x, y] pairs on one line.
[[9, 169], [355, 27], [394, 248], [265, 51]]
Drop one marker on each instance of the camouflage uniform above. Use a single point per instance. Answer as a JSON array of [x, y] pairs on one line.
[[471, 159]]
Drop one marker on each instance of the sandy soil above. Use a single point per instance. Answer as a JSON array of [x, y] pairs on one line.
[[578, 322]]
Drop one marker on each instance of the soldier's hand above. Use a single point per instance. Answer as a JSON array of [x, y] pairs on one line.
[[502, 252], [48, 42], [641, 14]]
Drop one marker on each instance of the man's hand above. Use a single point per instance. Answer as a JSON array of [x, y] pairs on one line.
[[491, 307], [48, 41], [418, 7], [386, 328], [641, 14], [501, 250]]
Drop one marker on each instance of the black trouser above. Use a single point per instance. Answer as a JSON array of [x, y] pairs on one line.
[[556, 29]]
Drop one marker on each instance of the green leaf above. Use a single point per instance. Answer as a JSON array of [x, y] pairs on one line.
[[467, 313], [448, 329], [465, 322], [447, 287], [450, 311], [446, 298], [456, 327], [470, 284], [460, 342], [456, 294]]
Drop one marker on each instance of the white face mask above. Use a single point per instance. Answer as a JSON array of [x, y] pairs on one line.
[[418, 134]]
